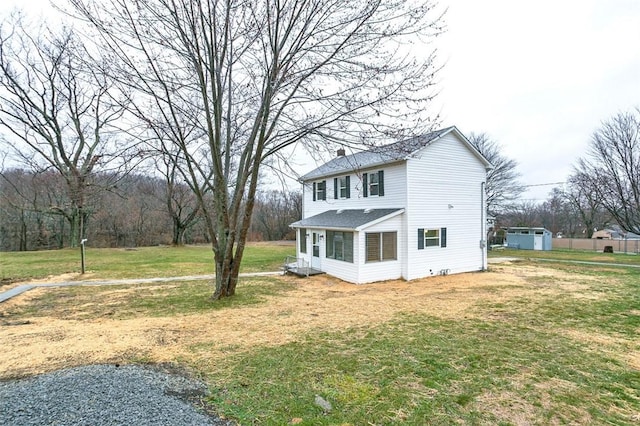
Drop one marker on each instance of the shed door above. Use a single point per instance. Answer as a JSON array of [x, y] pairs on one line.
[[537, 242]]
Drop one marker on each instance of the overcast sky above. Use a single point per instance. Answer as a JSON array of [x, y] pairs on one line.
[[538, 77]]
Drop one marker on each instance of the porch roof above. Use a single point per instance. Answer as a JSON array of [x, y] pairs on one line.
[[347, 219]]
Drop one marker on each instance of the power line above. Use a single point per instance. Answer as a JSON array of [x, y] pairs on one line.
[[544, 184]]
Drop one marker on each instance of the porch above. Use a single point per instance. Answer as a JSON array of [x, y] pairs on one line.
[[299, 267]]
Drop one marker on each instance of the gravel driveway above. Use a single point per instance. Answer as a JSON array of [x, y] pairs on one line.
[[100, 395]]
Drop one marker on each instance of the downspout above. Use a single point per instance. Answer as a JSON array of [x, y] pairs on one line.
[[483, 241]]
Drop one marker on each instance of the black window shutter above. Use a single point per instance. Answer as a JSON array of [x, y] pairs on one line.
[[420, 238], [324, 190], [381, 183], [348, 187], [443, 237], [365, 185], [335, 188], [314, 191]]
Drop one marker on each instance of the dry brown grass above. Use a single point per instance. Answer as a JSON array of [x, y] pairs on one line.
[[39, 344]]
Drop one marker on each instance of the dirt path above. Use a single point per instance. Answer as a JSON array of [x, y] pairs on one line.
[[38, 344], [20, 288]]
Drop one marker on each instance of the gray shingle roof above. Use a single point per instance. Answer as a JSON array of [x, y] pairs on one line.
[[344, 219], [375, 156]]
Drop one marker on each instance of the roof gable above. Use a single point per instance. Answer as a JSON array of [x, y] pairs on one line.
[[387, 154]]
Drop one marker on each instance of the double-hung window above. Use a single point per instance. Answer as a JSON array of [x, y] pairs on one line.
[[341, 188], [435, 237], [373, 184], [320, 191]]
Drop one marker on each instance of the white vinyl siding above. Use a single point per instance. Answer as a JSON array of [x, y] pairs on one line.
[[447, 196], [394, 192], [439, 188]]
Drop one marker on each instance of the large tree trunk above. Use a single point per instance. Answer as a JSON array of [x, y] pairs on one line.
[[178, 232], [228, 256], [74, 229], [77, 226], [227, 264], [226, 279]]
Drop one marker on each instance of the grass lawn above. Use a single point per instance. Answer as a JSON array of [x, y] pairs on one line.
[[143, 262], [567, 357], [525, 343], [567, 254]]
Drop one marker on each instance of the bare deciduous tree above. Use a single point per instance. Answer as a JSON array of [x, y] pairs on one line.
[[231, 83], [523, 213], [503, 186], [611, 169], [586, 203], [132, 214], [180, 200], [274, 212], [25, 198], [54, 110]]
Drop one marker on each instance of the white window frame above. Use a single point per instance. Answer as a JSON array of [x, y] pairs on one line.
[[342, 187], [372, 184], [320, 190], [303, 240], [430, 239], [341, 242], [381, 246]]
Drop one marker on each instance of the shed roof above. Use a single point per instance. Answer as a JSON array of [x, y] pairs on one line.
[[616, 234], [347, 219], [530, 228], [397, 151]]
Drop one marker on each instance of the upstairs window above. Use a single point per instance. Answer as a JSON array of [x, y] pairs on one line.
[[320, 191], [341, 187], [432, 238], [373, 184]]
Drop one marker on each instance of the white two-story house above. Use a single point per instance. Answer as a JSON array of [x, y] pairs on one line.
[[408, 210]]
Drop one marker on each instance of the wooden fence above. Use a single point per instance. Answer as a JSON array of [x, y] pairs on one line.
[[619, 246]]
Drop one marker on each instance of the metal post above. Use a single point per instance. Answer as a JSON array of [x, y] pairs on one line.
[[84, 240]]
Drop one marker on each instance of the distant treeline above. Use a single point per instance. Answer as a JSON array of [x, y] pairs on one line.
[[122, 211]]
